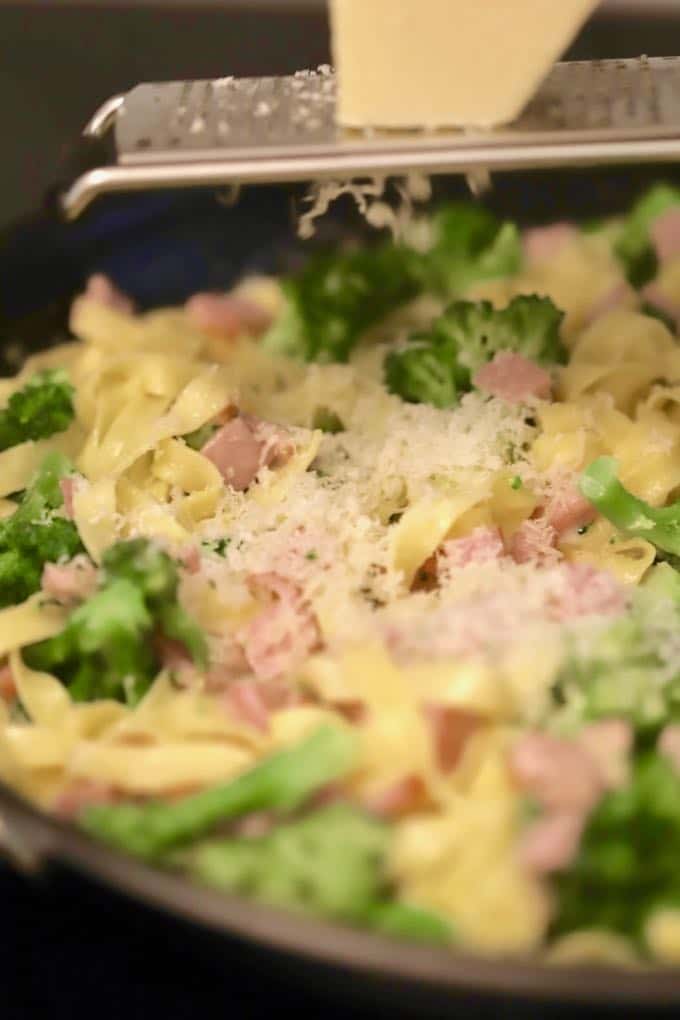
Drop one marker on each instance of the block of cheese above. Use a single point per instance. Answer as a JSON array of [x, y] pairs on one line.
[[446, 63]]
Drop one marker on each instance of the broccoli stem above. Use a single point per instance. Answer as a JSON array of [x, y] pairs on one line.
[[658, 525], [281, 783]]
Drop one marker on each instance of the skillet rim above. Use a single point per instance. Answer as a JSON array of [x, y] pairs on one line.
[[43, 840]]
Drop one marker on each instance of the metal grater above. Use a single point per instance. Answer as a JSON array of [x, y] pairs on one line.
[[257, 130]]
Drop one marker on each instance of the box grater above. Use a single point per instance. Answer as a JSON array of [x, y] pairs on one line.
[[232, 131]]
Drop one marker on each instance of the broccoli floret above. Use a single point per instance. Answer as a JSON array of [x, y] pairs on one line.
[[41, 408], [658, 525], [627, 866], [106, 649], [281, 783], [328, 863], [438, 366], [425, 372], [633, 245], [469, 244], [35, 534], [336, 298], [624, 676]]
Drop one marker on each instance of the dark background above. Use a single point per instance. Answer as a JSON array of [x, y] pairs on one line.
[[66, 949]]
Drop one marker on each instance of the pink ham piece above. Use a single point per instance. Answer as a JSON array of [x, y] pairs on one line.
[[551, 843], [283, 634], [245, 445], [560, 774], [534, 542], [68, 488], [669, 745], [69, 583], [225, 316], [665, 234], [190, 558], [483, 545], [450, 730], [567, 508], [609, 743], [81, 794], [173, 655], [8, 690], [513, 378], [541, 244], [252, 701], [588, 592], [101, 289], [403, 797]]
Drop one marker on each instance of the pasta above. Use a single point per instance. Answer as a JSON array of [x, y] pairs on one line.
[[436, 541]]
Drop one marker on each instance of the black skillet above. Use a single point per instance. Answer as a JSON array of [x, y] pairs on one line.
[[160, 249]]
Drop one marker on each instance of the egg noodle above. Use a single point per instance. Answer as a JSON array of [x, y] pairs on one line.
[[347, 577]]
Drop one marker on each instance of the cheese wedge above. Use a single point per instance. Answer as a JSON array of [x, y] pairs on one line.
[[446, 63]]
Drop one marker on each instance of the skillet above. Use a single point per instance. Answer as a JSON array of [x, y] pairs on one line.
[[160, 249]]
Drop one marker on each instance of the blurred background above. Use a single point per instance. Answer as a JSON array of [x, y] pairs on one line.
[[61, 58]]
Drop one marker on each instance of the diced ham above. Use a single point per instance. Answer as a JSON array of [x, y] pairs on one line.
[[551, 843], [175, 658], [669, 744], [561, 775], [566, 507], [253, 701], [588, 592], [542, 244], [620, 294], [656, 296], [403, 797], [483, 545], [69, 583], [609, 742], [224, 315], [68, 490], [244, 445], [101, 289], [81, 794], [283, 634], [8, 690], [450, 730], [534, 542], [665, 235], [513, 378], [190, 558]]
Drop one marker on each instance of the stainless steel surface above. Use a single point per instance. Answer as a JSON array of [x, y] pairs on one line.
[[232, 131]]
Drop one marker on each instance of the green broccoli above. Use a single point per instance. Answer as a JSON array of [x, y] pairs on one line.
[[469, 244], [627, 866], [438, 366], [658, 525], [336, 298], [41, 408], [633, 245], [106, 649], [35, 534], [330, 863], [281, 783], [624, 675]]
